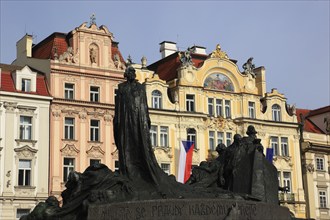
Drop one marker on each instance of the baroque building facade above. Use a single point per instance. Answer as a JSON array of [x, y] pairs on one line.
[[83, 68], [24, 140], [204, 97], [315, 146]]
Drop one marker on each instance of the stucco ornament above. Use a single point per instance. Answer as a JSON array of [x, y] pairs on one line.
[[218, 53], [68, 56], [249, 67], [185, 58], [310, 167], [218, 123], [69, 150], [95, 152]]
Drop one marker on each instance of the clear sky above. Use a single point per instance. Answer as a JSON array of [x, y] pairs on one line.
[[289, 38]]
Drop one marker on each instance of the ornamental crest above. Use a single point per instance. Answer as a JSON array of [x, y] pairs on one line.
[[218, 53], [218, 123], [69, 150], [95, 152]]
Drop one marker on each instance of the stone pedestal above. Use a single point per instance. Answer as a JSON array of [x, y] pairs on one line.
[[192, 209]]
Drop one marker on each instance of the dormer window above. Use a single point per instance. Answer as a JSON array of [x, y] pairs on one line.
[[276, 112], [26, 85]]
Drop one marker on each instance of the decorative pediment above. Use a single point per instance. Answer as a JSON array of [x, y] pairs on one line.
[[69, 150], [70, 111], [95, 152], [26, 109], [218, 53], [25, 152]]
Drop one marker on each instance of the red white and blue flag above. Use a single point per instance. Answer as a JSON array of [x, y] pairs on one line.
[[185, 160]]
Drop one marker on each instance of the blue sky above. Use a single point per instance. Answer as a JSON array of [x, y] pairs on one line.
[[289, 38]]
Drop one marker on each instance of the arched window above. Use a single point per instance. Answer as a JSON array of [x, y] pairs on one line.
[[191, 136], [156, 99], [276, 112]]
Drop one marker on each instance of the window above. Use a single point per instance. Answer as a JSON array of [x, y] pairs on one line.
[[94, 94], [26, 85], [228, 139], [211, 140], [191, 136], [190, 103], [323, 199], [153, 135], [287, 181], [276, 112], [220, 137], [279, 178], [69, 128], [25, 128], [319, 163], [24, 172], [284, 146], [21, 212], [227, 109], [95, 130], [165, 167], [94, 161], [218, 107], [252, 111], [67, 168], [163, 136], [210, 106], [69, 91], [274, 145], [156, 99]]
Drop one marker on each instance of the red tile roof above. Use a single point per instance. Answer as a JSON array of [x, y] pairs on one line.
[[166, 67], [8, 85], [309, 126]]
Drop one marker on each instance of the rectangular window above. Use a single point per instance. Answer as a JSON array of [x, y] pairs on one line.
[[252, 111], [21, 212], [24, 172], [163, 136], [95, 130], [287, 181], [319, 163], [26, 85], [190, 103], [211, 140], [94, 161], [323, 199], [153, 134], [68, 166], [274, 145], [218, 107], [25, 128], [165, 167], [228, 139], [69, 91], [227, 109], [284, 146], [69, 128], [220, 138], [94, 94], [210, 106], [191, 136]]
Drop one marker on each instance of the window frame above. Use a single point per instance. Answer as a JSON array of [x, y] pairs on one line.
[[67, 168], [229, 138], [317, 159], [153, 135], [69, 129], [190, 102], [166, 167], [252, 110], [275, 145], [227, 109], [285, 147], [323, 199], [156, 99], [94, 95], [287, 181], [26, 172], [276, 112], [94, 131], [25, 128], [212, 140], [25, 85], [219, 107], [191, 136], [69, 92], [210, 106], [163, 136]]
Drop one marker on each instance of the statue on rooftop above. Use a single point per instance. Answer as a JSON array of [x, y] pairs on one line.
[[185, 57], [249, 67]]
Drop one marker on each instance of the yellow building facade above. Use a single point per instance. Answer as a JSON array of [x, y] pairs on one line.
[[207, 99]]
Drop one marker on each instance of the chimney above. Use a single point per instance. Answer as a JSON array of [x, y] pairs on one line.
[[199, 50], [24, 47], [167, 48]]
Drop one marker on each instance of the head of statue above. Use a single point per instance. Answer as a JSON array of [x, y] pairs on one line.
[[130, 74], [251, 131], [237, 138], [220, 148]]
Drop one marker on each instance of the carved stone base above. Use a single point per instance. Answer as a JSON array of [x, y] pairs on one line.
[[193, 209]]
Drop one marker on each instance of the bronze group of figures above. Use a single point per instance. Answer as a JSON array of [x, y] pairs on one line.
[[240, 172]]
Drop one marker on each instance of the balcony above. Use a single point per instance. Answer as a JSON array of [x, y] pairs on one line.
[[286, 197]]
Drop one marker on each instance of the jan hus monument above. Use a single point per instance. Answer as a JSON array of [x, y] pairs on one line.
[[239, 184]]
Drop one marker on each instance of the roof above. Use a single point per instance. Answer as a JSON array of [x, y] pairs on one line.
[[8, 85], [309, 126], [166, 68], [59, 43]]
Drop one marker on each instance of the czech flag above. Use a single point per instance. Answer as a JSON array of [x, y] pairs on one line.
[[185, 160]]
